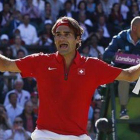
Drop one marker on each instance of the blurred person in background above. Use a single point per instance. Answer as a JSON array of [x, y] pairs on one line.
[[67, 11], [5, 18], [107, 28], [18, 46], [13, 109], [17, 132], [22, 95], [30, 84], [20, 54], [134, 11], [4, 121], [47, 14], [90, 129], [35, 101], [28, 116], [82, 8], [116, 19], [28, 32], [4, 40], [40, 4], [33, 12], [95, 49], [15, 22], [91, 6], [57, 5]]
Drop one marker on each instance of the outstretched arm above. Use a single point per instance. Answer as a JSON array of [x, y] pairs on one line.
[[7, 64], [130, 74]]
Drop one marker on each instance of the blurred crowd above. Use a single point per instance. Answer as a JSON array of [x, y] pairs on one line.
[[25, 28]]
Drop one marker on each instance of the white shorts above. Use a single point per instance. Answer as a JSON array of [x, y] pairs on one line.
[[49, 135]]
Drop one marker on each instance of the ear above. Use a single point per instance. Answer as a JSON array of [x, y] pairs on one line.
[[78, 40]]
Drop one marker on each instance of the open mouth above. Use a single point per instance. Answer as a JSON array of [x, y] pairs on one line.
[[64, 46]]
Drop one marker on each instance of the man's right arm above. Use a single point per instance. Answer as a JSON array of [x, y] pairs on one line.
[[7, 64]]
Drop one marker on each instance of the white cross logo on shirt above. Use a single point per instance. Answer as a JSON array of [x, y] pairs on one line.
[[81, 71]]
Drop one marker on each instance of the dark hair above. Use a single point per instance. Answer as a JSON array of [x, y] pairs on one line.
[[81, 3], [9, 96], [73, 24]]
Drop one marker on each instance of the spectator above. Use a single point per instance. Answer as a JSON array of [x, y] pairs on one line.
[[4, 40], [40, 4], [4, 121], [28, 32], [90, 129], [17, 20], [13, 109], [8, 52], [29, 84], [82, 8], [46, 37], [67, 11], [23, 95], [12, 4], [18, 45], [47, 13], [35, 101], [116, 18], [5, 18], [107, 5], [20, 54], [91, 6], [95, 49], [127, 42], [124, 9], [57, 5], [17, 132], [32, 11], [98, 11], [134, 11], [28, 116], [107, 28], [83, 23]]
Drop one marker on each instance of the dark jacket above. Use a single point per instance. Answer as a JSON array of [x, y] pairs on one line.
[[122, 42]]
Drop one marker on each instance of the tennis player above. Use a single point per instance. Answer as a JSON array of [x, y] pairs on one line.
[[66, 82]]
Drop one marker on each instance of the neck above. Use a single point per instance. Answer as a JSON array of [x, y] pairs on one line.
[[134, 37], [14, 105], [69, 58]]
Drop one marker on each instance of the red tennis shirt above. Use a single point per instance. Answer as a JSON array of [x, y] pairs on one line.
[[65, 96]]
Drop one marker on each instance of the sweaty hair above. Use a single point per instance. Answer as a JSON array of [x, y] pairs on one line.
[[73, 24]]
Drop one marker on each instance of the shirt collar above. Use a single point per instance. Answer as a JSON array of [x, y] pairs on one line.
[[60, 58]]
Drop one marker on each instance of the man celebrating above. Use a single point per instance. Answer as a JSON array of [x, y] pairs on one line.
[[66, 82]]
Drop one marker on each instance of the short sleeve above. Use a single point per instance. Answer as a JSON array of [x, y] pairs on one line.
[[28, 65], [105, 73]]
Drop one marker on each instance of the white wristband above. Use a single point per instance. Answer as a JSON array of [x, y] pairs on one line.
[[137, 87]]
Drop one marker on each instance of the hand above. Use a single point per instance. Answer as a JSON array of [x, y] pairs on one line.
[[120, 51]]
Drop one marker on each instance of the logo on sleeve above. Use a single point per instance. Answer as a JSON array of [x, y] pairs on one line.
[[81, 71]]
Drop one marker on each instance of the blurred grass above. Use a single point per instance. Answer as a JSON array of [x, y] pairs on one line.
[[123, 130]]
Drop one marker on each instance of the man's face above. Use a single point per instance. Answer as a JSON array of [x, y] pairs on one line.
[[65, 40]]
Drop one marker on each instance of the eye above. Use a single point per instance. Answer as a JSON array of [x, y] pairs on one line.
[[67, 34], [57, 35]]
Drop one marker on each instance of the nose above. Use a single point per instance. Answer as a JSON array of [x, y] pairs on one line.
[[62, 37]]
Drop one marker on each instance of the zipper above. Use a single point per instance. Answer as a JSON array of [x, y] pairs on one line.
[[66, 71]]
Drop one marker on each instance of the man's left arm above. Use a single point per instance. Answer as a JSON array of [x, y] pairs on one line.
[[130, 74]]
